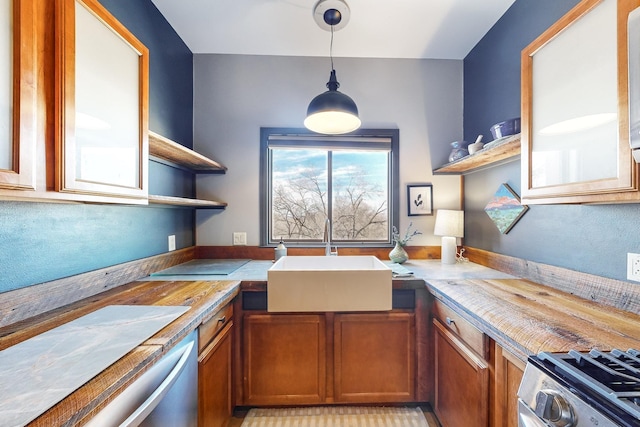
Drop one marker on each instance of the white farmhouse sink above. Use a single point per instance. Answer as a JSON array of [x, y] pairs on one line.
[[328, 283]]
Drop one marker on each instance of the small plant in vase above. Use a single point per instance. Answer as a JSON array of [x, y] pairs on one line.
[[398, 254]]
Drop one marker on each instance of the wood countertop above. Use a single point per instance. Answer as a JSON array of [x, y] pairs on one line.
[[522, 316], [526, 318], [204, 298]]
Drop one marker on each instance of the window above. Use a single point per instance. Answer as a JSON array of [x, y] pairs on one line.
[[350, 179]]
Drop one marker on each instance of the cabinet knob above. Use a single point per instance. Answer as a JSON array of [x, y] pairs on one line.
[[222, 319], [450, 321]]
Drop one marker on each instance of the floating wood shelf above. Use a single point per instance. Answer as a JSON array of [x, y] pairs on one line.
[[498, 152], [177, 154], [186, 202]]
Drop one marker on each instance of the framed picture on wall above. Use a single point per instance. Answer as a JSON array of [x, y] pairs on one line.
[[505, 208], [419, 199]]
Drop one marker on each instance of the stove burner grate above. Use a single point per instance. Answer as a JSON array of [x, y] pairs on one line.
[[614, 376]]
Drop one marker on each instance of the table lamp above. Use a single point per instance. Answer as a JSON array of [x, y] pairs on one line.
[[449, 225]]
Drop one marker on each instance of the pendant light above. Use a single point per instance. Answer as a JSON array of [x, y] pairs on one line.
[[332, 112]]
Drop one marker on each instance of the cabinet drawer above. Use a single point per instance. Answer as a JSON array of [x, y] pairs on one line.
[[471, 335], [209, 329]]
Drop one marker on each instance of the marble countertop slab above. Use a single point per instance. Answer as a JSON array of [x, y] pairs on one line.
[[422, 269], [433, 269], [39, 372], [251, 271]]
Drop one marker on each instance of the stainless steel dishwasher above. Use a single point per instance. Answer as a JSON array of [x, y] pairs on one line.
[[164, 396]]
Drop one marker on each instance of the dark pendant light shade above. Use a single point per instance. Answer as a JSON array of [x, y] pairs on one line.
[[332, 112]]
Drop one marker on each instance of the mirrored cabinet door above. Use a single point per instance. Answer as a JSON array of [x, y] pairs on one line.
[[18, 74], [575, 131], [102, 126]]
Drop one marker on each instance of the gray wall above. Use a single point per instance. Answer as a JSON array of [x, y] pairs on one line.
[[40, 242], [589, 238], [235, 95]]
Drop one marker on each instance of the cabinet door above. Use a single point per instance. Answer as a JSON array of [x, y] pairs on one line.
[[508, 373], [101, 103], [284, 359], [374, 357], [214, 381], [575, 117], [18, 97], [461, 382]]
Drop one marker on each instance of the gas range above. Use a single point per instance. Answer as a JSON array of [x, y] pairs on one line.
[[581, 389]]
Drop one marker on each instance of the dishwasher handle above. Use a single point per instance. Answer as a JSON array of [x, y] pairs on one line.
[[139, 415]]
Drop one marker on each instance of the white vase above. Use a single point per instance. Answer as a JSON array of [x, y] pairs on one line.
[[398, 254]]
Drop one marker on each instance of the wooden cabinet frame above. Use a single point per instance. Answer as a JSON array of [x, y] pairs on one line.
[[25, 73], [449, 350], [214, 380], [625, 185], [374, 351], [66, 178]]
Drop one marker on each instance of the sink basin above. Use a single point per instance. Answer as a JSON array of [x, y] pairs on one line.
[[328, 283]]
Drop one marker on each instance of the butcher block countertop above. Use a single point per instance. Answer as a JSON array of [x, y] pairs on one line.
[[527, 318], [204, 298]]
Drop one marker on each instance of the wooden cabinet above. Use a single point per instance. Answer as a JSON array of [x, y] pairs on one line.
[[575, 141], [214, 369], [476, 380], [461, 382], [324, 358], [284, 359], [374, 357], [18, 95], [75, 123], [102, 96], [508, 375], [462, 358]]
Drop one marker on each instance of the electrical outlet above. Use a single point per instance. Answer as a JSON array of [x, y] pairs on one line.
[[172, 242], [633, 267], [239, 238]]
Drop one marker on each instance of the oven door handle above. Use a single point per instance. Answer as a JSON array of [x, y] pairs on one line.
[[154, 399]]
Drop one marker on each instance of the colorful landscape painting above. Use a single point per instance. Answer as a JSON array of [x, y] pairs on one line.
[[505, 209]]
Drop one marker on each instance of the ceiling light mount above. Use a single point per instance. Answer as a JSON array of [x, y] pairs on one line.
[[331, 13]]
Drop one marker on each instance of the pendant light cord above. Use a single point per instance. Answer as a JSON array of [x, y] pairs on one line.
[[331, 48]]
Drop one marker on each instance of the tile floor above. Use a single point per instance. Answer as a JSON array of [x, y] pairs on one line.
[[238, 417]]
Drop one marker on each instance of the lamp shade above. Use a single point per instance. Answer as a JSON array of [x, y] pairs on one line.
[[449, 223], [332, 112]]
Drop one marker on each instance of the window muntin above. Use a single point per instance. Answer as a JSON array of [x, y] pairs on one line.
[[307, 178]]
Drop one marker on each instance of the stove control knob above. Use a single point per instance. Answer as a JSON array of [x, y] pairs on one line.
[[554, 409]]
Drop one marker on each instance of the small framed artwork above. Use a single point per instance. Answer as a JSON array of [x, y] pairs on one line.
[[419, 199], [505, 209]]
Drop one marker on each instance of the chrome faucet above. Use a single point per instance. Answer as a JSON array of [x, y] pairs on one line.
[[326, 238]]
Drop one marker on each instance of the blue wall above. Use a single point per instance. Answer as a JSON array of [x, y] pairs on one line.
[[40, 242], [170, 68], [588, 238]]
